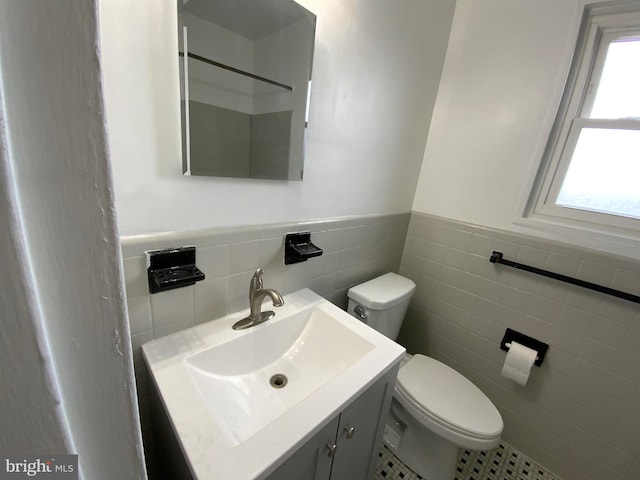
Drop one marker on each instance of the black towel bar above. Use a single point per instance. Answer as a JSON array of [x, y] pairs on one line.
[[496, 257]]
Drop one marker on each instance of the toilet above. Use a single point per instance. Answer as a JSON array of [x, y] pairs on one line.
[[435, 410]]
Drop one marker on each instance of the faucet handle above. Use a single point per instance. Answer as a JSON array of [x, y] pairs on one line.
[[256, 281]]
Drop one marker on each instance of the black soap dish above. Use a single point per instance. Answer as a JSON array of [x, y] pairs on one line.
[[298, 248], [172, 268]]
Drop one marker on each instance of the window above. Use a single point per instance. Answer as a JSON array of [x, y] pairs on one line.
[[591, 172]]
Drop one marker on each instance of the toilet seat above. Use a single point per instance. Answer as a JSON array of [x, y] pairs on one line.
[[447, 403]]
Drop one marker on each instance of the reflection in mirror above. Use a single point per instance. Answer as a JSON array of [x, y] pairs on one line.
[[245, 72]]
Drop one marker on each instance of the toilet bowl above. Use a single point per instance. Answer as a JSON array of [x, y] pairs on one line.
[[435, 410]]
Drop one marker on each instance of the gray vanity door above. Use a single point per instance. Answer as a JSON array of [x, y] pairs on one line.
[[347, 448], [313, 460], [360, 431]]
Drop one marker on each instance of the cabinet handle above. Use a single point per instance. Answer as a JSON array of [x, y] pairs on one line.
[[350, 431], [332, 450]]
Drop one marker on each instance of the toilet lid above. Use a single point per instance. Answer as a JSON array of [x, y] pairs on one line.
[[443, 395]]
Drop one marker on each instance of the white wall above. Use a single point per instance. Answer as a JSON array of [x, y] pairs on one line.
[[376, 71], [65, 317], [501, 84], [212, 85], [283, 56], [502, 81], [40, 428]]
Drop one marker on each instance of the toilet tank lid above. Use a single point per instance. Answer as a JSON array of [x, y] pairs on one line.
[[383, 292]]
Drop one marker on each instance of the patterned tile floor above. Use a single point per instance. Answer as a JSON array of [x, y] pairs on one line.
[[502, 463]]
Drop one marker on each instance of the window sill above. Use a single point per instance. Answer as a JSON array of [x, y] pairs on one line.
[[622, 244]]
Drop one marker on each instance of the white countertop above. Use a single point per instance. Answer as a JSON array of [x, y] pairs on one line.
[[209, 452]]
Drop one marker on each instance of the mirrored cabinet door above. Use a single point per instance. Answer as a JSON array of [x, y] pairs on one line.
[[245, 73]]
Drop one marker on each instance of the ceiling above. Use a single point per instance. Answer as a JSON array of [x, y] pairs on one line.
[[251, 19]]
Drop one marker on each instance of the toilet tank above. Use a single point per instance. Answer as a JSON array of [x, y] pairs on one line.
[[382, 302]]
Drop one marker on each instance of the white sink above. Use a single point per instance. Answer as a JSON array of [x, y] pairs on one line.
[[215, 382], [234, 378]]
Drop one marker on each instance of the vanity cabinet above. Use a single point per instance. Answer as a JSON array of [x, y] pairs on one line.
[[347, 447], [227, 422]]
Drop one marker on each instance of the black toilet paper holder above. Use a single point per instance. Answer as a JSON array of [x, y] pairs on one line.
[[512, 335]]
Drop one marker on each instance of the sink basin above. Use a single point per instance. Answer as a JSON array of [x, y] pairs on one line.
[[241, 401], [234, 378]]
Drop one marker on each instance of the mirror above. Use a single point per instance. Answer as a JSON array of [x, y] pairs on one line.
[[245, 73]]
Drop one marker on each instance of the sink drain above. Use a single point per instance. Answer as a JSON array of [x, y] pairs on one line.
[[278, 380]]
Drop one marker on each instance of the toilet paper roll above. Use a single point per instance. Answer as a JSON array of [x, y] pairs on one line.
[[518, 363]]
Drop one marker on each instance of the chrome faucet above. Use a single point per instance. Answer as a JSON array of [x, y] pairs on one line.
[[256, 297]]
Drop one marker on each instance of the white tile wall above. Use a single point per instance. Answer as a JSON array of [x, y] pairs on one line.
[[579, 415], [355, 250]]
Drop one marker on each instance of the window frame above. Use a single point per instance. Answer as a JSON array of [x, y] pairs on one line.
[[601, 25]]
